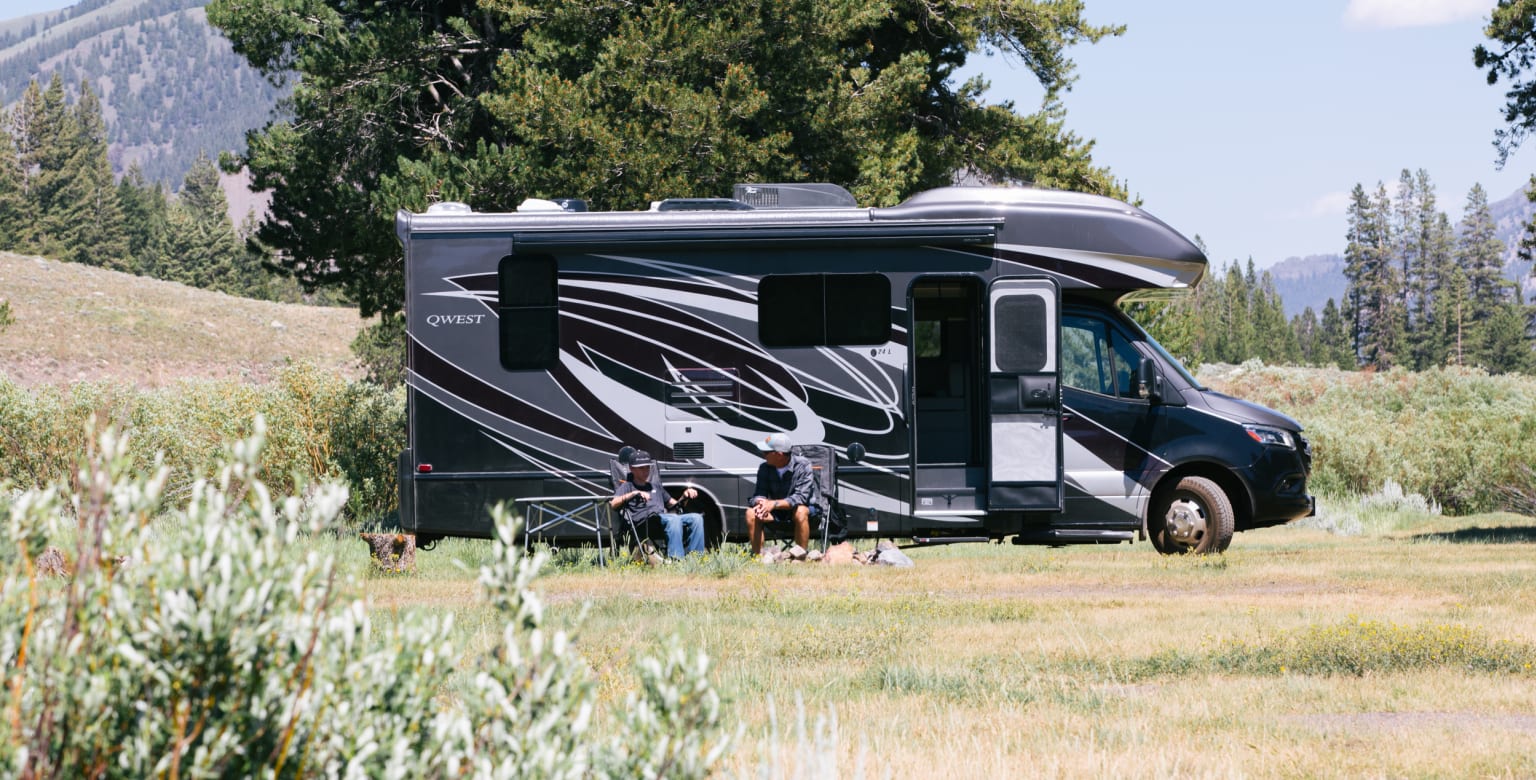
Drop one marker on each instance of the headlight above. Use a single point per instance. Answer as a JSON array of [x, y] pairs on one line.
[[1264, 434]]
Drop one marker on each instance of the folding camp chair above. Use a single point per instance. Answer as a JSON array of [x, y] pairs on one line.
[[648, 537], [824, 508]]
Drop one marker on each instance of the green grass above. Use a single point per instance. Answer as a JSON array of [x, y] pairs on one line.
[[1089, 660]]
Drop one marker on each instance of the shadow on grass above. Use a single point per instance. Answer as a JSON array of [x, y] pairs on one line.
[[1477, 535]]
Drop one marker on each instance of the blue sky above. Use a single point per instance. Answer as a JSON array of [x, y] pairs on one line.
[[1248, 123]]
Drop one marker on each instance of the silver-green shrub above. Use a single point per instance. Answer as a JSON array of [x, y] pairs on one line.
[[320, 426], [216, 639], [1457, 436]]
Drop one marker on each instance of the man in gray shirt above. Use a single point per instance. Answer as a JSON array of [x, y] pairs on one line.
[[785, 493]]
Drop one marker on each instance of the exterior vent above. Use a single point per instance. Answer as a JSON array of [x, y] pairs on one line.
[[688, 450], [449, 207], [795, 196]]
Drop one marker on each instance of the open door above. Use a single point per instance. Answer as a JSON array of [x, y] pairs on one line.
[[1025, 395]]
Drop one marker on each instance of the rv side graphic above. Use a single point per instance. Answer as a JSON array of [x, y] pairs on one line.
[[962, 352]]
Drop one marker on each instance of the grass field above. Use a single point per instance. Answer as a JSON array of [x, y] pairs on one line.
[[1405, 649], [74, 322]]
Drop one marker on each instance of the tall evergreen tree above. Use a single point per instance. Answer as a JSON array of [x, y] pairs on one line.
[[1375, 284], [201, 240], [87, 217], [1335, 347], [45, 138], [1274, 339], [12, 192], [1480, 254], [145, 219]]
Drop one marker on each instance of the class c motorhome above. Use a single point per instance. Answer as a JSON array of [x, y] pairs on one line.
[[962, 352]]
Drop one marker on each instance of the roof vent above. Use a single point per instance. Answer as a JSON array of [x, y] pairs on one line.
[[795, 196], [450, 207]]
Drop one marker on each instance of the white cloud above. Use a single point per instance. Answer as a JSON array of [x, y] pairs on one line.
[[1329, 204], [1413, 13]]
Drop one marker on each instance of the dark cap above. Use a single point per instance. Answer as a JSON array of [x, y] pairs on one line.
[[639, 459]]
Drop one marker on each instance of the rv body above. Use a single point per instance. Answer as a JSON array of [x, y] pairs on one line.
[[962, 352]]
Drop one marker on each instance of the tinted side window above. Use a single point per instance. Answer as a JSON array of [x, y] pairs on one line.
[[528, 312], [812, 310]]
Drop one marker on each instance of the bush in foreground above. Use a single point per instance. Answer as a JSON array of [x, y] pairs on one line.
[[210, 640]]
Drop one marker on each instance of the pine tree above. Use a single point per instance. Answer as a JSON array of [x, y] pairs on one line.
[[145, 218], [201, 241], [46, 150], [87, 217], [1275, 340], [12, 192], [1335, 345], [1480, 254], [1375, 283]]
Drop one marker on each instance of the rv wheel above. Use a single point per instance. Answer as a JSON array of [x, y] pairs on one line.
[[1195, 517]]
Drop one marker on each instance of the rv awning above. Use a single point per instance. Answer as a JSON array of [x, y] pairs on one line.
[[924, 233]]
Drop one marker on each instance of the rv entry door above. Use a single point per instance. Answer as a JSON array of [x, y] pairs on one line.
[[1025, 395]]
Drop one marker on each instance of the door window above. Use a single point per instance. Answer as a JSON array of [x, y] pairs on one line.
[[1097, 358]]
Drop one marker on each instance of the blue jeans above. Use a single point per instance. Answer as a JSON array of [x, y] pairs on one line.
[[675, 524]]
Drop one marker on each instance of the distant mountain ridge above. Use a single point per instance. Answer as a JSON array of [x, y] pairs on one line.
[[1312, 280], [170, 85]]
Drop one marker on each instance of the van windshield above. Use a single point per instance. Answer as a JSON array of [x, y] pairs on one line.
[[1163, 353], [1173, 361]]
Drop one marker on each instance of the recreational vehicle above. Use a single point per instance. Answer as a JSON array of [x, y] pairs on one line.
[[962, 353]]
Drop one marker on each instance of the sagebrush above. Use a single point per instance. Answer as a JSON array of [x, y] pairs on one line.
[[320, 426], [208, 639]]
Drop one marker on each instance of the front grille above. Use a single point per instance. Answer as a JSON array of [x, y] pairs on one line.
[[1305, 447]]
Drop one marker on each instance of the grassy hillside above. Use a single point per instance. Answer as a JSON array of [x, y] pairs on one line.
[[75, 322]]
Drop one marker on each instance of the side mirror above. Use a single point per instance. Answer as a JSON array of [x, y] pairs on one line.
[[1149, 383]]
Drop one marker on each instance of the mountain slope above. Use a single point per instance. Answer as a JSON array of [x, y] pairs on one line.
[[75, 322], [170, 85]]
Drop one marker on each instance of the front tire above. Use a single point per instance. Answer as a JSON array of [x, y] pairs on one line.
[[1194, 517]]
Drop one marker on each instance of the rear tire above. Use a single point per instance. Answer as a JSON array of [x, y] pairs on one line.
[[1194, 517]]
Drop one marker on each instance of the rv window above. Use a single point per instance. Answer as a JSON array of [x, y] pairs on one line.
[[528, 312], [814, 310], [858, 309], [1020, 322]]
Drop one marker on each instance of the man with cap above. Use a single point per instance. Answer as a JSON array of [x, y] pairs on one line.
[[785, 492], [643, 500]]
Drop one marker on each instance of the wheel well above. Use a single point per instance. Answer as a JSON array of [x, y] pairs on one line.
[[1237, 492]]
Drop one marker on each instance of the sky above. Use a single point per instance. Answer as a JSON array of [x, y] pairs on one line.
[[1249, 123], [10, 9]]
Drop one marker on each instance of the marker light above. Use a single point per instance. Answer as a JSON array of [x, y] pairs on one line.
[[424, 468]]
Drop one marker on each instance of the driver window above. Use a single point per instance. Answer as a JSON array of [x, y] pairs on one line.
[[1095, 358]]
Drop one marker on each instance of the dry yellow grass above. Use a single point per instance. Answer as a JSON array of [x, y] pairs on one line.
[[986, 661], [75, 322]]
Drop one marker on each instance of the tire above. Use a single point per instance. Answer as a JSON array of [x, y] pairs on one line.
[[1194, 517]]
